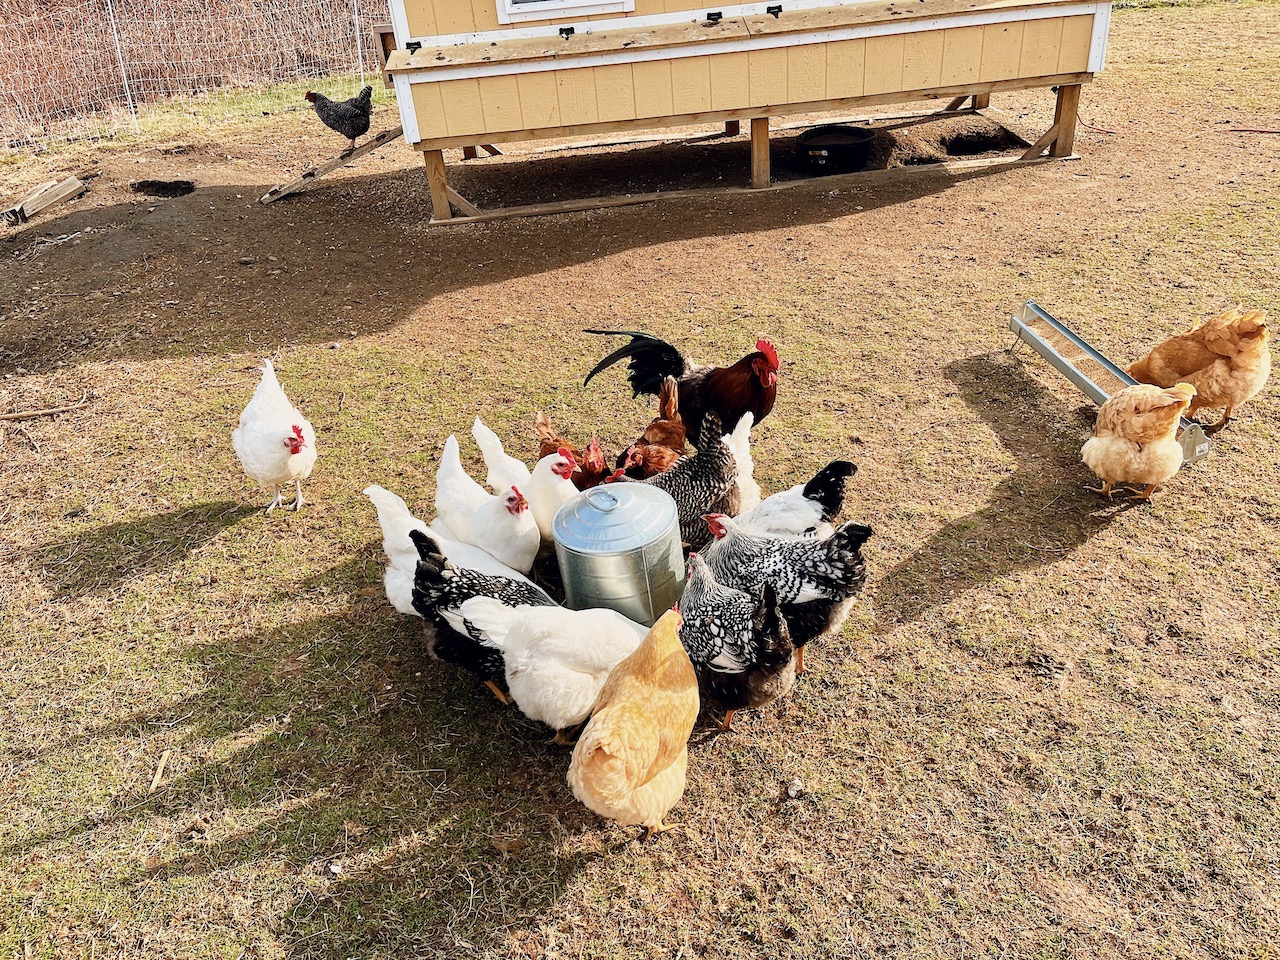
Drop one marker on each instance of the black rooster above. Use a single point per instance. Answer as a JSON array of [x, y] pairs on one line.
[[348, 117]]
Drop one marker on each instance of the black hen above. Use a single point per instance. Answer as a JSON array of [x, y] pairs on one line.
[[348, 117]]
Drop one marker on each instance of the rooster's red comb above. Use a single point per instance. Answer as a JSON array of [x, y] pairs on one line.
[[297, 432], [564, 452], [765, 346]]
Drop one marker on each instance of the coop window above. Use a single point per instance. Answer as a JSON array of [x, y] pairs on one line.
[[517, 11]]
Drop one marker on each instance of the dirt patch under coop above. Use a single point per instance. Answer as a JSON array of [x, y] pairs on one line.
[[707, 161]]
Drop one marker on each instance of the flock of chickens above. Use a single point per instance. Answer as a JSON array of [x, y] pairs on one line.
[[765, 577]]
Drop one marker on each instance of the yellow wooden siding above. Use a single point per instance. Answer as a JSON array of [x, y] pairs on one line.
[[453, 16], [806, 73], [730, 80], [463, 111], [883, 68], [1041, 41], [754, 79], [691, 84], [1001, 50], [961, 55], [767, 77], [539, 105], [615, 92], [577, 92], [844, 68], [1077, 36], [429, 109], [654, 96], [500, 103], [922, 60]]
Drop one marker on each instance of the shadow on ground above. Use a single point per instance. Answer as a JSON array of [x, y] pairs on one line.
[[399, 801], [159, 279], [100, 558], [1035, 516]]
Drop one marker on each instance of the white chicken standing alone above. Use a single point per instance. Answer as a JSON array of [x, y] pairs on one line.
[[275, 443]]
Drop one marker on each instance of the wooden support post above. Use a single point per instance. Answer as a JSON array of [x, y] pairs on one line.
[[470, 153], [732, 128], [981, 101], [759, 152], [955, 104], [439, 183], [1064, 118]]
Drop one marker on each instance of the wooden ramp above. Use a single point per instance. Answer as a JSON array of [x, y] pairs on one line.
[[341, 160]]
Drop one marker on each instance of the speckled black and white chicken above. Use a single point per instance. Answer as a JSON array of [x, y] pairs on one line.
[[741, 647], [703, 482], [440, 586], [817, 580]]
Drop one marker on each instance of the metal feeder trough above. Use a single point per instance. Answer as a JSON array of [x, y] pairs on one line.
[[1089, 369]]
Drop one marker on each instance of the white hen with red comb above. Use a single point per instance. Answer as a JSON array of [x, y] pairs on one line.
[[275, 443], [503, 526], [550, 486]]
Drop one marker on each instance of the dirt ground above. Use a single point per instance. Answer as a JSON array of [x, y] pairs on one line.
[[1049, 729]]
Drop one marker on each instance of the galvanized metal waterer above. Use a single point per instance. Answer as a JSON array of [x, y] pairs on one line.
[[619, 547]]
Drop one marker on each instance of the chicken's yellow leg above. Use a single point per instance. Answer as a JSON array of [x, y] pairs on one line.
[[497, 692], [728, 719], [563, 739], [799, 660], [1105, 489], [1146, 494], [659, 828], [1226, 418]]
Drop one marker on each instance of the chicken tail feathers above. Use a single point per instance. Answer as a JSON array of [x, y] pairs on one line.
[[651, 361], [772, 639], [491, 618], [427, 547], [827, 486]]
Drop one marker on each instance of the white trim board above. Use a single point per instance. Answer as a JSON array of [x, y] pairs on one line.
[[408, 115], [515, 11], [764, 42], [729, 11]]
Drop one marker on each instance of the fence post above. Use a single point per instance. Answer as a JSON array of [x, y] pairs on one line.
[[355, 16], [124, 75]]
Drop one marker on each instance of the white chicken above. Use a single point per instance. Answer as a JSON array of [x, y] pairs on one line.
[[502, 526], [739, 442], [806, 510], [550, 486], [504, 470], [275, 443], [557, 660], [396, 521]]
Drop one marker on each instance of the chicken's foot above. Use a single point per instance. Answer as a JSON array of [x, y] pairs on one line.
[[497, 692], [724, 726], [276, 502], [1146, 494], [1226, 418], [562, 739], [1105, 489], [651, 832], [799, 660]]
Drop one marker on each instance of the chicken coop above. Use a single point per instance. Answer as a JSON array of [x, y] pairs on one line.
[[470, 72]]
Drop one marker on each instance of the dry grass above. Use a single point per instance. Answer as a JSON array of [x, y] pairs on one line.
[[1049, 731]]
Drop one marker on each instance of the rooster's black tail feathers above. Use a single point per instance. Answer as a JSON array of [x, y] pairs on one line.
[[651, 360]]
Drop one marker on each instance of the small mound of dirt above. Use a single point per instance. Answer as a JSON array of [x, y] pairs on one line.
[[164, 189], [941, 140]]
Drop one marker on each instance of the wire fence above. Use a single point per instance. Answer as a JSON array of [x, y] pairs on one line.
[[89, 69]]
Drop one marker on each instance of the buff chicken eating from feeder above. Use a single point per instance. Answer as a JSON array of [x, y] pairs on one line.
[[1135, 440]]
